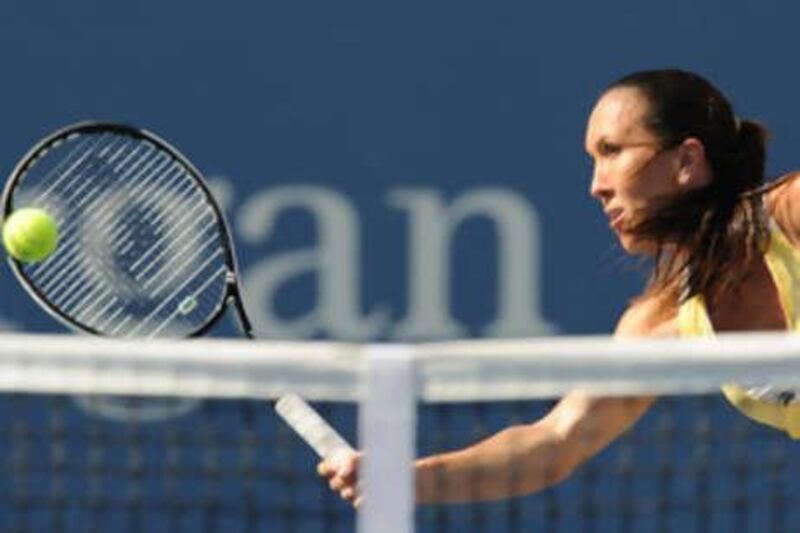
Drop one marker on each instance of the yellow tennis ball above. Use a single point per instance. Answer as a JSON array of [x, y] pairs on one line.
[[30, 234]]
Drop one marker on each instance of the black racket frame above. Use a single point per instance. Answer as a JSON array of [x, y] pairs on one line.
[[232, 295]]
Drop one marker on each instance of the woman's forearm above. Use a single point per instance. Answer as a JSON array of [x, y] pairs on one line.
[[518, 460], [527, 458]]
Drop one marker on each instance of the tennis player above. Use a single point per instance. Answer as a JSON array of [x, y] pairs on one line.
[[681, 180]]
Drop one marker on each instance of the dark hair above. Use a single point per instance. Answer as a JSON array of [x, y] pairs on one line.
[[718, 229]]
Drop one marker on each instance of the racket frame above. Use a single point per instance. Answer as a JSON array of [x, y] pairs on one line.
[[232, 296]]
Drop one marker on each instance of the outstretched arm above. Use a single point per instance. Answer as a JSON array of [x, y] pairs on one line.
[[518, 460], [527, 458]]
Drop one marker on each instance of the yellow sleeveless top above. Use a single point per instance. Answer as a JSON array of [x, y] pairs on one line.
[[779, 408]]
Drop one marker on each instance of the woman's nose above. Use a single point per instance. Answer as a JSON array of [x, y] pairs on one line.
[[599, 187]]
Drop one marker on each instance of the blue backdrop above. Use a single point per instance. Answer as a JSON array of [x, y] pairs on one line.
[[403, 171], [391, 115]]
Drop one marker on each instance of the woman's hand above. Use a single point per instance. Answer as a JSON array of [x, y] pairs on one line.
[[342, 476]]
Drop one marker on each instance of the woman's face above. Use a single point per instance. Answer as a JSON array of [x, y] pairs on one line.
[[631, 171]]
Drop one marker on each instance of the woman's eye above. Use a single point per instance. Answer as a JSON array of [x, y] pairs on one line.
[[609, 149]]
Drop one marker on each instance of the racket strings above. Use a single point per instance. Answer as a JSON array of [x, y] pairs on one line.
[[141, 250], [76, 199], [72, 251], [102, 214], [72, 160], [85, 165]]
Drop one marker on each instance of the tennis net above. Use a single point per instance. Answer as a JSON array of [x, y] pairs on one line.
[[101, 435]]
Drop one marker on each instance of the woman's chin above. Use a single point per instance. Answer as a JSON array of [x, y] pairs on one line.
[[635, 246]]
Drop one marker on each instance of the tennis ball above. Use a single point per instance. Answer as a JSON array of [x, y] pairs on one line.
[[30, 234]]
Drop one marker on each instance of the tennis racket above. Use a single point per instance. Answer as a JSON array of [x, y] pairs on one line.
[[144, 250]]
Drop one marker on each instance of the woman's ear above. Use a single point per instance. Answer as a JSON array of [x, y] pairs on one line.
[[693, 168]]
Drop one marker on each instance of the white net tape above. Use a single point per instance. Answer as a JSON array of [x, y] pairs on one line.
[[448, 371]]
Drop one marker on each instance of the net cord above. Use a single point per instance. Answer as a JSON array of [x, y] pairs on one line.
[[477, 370]]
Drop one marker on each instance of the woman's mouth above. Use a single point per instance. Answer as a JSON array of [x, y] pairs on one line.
[[615, 218]]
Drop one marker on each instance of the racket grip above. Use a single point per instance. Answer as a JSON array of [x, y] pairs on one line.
[[325, 440]]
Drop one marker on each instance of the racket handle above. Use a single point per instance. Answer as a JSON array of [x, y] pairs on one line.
[[313, 428]]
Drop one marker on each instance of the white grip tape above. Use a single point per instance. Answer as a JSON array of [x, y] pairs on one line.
[[313, 428]]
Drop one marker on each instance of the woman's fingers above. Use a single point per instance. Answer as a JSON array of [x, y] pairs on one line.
[[336, 483], [348, 469], [342, 477], [324, 469]]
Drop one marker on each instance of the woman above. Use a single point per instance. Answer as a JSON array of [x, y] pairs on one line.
[[681, 181]]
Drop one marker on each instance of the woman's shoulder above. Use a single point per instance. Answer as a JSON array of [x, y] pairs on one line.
[[782, 202], [649, 316]]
